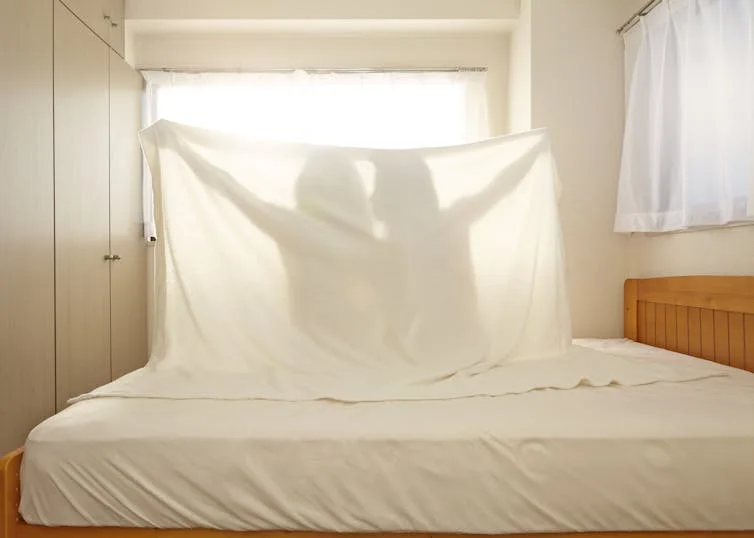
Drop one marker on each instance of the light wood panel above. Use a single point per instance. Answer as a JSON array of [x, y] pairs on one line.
[[695, 332], [94, 14], [749, 341], [706, 316], [671, 328], [116, 35], [81, 208], [729, 293], [641, 330], [682, 328], [737, 340], [722, 343], [27, 278], [129, 274], [103, 17], [630, 306], [660, 330], [650, 324], [708, 334]]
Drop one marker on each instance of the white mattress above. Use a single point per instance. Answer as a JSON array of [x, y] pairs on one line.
[[666, 456]]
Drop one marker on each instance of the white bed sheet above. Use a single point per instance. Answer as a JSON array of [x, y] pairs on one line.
[[666, 456]]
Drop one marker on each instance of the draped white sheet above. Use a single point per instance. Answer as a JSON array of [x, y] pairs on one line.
[[291, 271], [370, 109]]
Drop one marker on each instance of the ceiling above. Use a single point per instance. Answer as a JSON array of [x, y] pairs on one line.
[[322, 16]]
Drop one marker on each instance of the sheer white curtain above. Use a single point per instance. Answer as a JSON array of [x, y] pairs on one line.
[[688, 151], [367, 109]]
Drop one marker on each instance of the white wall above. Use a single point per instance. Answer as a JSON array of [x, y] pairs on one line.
[[344, 51], [724, 251], [519, 72], [577, 91]]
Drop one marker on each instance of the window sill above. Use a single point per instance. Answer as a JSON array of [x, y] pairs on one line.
[[694, 229]]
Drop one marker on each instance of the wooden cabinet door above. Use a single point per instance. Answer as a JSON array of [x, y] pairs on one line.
[[82, 199], [117, 34], [128, 274], [96, 14], [27, 278]]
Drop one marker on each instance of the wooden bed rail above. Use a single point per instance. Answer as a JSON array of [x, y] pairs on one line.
[[711, 317], [10, 494]]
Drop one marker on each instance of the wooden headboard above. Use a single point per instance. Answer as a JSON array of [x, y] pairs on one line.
[[711, 317]]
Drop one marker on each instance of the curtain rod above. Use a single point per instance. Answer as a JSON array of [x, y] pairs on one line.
[[636, 17], [325, 71]]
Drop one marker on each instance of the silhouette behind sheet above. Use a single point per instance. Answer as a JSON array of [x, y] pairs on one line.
[[296, 265]]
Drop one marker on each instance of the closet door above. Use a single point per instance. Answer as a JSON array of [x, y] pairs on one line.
[[116, 36], [27, 315], [82, 275], [96, 14], [128, 273]]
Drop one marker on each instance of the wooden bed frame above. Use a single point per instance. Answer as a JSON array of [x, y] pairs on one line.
[[706, 316], [711, 317]]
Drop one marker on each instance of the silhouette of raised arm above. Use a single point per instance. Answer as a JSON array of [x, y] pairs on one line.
[[467, 210], [287, 226]]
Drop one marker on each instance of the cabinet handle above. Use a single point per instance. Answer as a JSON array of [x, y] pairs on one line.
[[108, 257], [107, 17], [112, 257], [115, 258], [113, 24]]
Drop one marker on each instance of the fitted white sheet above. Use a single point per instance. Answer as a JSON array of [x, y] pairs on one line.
[[666, 456]]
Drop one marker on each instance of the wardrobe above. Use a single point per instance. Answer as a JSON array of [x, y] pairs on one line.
[[72, 254]]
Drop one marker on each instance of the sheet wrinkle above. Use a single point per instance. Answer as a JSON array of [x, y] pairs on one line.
[[578, 367], [473, 466], [297, 272]]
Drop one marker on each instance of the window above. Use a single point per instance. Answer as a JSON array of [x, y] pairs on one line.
[[367, 109], [687, 157], [371, 109]]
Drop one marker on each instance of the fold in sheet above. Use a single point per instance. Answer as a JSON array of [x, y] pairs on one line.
[[298, 272], [578, 367]]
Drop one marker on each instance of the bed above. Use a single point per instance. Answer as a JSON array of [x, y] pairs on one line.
[[686, 451]]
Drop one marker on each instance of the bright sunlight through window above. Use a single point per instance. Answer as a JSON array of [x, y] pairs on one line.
[[393, 109]]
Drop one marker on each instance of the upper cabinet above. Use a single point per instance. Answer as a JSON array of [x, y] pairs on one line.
[[117, 29], [103, 17]]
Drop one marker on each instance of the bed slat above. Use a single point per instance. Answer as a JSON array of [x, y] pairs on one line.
[[749, 341], [737, 340], [641, 322], [722, 342], [695, 332], [660, 330], [711, 317], [682, 322], [671, 328], [650, 324], [708, 334]]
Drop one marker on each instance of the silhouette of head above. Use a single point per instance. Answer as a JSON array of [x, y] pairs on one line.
[[404, 194], [330, 188]]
